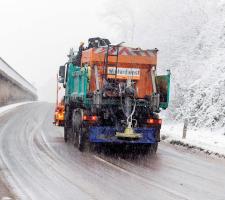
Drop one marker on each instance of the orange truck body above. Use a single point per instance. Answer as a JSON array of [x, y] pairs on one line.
[[59, 115], [134, 59]]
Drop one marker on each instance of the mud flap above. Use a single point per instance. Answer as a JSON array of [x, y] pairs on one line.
[[157, 135]]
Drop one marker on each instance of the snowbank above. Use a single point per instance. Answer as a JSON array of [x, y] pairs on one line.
[[5, 109], [210, 141]]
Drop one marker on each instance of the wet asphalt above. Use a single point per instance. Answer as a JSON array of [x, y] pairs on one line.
[[35, 163]]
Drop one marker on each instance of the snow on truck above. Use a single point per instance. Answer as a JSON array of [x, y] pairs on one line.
[[113, 96]]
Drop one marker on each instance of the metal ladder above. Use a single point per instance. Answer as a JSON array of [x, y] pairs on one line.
[[106, 59]]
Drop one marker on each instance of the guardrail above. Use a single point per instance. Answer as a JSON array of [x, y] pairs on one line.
[[7, 71]]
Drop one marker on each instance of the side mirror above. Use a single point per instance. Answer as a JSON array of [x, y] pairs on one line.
[[62, 71], [61, 80]]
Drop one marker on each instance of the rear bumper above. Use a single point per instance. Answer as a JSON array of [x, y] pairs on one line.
[[106, 134]]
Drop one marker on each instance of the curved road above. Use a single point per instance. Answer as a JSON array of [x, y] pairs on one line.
[[37, 164]]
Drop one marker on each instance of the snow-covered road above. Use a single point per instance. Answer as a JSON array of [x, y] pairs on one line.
[[39, 165]]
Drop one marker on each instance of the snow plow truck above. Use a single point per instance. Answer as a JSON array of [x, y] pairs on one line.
[[113, 96]]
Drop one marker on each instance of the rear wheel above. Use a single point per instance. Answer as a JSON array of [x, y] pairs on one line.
[[76, 118], [67, 124], [65, 134], [81, 139], [79, 131]]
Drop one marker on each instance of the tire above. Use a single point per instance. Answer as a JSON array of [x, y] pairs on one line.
[[83, 143], [65, 134], [77, 128], [76, 118], [74, 133], [81, 140], [67, 127]]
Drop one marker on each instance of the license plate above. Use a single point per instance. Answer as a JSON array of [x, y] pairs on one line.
[[124, 73]]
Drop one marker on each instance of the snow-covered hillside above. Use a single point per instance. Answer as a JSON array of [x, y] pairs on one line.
[[202, 98], [190, 35]]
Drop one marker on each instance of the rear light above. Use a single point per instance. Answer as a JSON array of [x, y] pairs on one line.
[[90, 118], [94, 118], [154, 121]]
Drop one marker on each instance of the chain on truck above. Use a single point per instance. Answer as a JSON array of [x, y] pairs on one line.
[[113, 96]]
